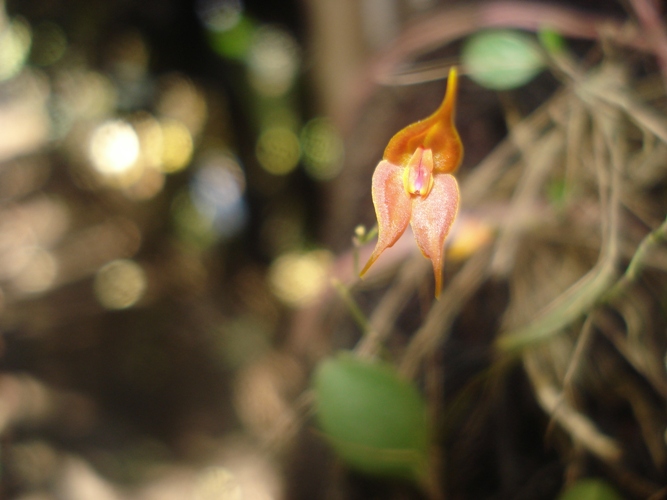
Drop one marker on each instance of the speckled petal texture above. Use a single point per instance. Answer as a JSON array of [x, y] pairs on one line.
[[432, 217], [392, 207]]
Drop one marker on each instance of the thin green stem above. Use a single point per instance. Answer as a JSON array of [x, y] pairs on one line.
[[638, 261], [352, 306]]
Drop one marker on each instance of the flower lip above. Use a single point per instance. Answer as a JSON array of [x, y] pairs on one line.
[[418, 173]]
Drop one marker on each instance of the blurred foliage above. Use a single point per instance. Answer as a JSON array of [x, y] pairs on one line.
[[589, 489], [502, 59], [353, 398]]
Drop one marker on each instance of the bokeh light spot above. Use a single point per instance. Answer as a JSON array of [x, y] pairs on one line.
[[180, 99], [84, 95], [147, 186], [49, 44], [235, 42], [322, 149], [14, 259], [217, 194], [15, 40], [218, 483], [151, 139], [120, 284], [25, 232], [114, 147], [220, 15], [22, 176], [273, 61], [470, 235], [39, 272], [298, 279], [177, 146], [278, 150]]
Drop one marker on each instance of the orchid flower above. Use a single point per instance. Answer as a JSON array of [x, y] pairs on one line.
[[414, 184]]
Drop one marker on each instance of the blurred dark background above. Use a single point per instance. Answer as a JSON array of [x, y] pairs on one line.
[[179, 183]]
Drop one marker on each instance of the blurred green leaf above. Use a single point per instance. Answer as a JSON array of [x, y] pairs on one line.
[[571, 305], [234, 42], [590, 489], [374, 420], [551, 40], [502, 59]]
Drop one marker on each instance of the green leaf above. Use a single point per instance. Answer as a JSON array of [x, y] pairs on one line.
[[568, 307], [235, 42], [552, 41], [374, 420], [590, 489], [502, 59]]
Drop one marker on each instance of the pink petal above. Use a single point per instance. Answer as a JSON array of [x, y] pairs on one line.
[[432, 217], [392, 207]]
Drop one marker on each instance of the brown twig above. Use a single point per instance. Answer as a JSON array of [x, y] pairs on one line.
[[441, 27]]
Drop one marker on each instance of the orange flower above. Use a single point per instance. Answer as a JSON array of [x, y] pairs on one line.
[[413, 184]]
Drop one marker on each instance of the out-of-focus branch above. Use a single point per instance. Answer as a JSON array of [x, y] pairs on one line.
[[577, 425], [441, 27]]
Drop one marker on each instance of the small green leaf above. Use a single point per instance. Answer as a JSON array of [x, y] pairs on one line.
[[374, 420], [234, 42], [551, 40], [502, 59], [590, 489]]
